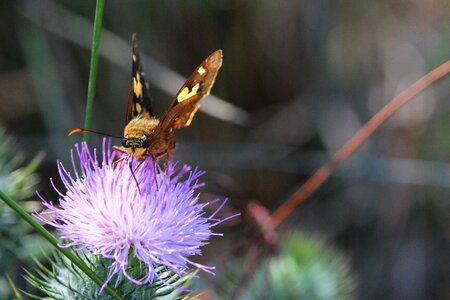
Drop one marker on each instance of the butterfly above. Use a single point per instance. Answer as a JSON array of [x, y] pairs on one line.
[[144, 134]]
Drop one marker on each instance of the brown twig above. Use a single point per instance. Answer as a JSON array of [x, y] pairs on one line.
[[355, 142]]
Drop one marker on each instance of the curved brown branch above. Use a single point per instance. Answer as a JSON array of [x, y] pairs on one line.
[[356, 141]]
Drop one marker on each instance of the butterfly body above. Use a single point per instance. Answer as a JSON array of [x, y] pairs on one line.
[[140, 135]]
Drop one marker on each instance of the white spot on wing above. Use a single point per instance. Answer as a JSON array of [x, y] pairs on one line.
[[138, 108], [185, 94], [201, 70]]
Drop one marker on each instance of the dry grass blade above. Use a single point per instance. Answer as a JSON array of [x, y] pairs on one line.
[[356, 141]]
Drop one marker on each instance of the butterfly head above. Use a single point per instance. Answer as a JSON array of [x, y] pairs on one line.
[[135, 142], [138, 133]]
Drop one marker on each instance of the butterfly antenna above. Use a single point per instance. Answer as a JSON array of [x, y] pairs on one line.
[[77, 130], [130, 164]]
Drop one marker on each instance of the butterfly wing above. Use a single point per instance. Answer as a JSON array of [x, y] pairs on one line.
[[139, 102], [185, 104]]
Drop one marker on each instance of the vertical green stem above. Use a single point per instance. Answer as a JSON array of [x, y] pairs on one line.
[[98, 20]]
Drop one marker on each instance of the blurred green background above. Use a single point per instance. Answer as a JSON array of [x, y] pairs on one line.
[[298, 79]]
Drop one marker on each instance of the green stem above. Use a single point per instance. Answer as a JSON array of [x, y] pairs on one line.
[[98, 20], [51, 238], [14, 288]]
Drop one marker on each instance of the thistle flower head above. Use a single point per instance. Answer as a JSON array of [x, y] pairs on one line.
[[161, 224]]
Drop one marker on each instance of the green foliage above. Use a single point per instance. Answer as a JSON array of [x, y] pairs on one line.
[[15, 179], [304, 268], [17, 243], [63, 280], [95, 55]]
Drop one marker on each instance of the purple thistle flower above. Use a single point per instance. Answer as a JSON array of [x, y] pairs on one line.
[[104, 213]]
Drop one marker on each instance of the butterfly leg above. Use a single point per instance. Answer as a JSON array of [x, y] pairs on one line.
[[118, 150], [168, 154], [162, 176], [140, 163], [160, 155], [154, 171], [117, 162]]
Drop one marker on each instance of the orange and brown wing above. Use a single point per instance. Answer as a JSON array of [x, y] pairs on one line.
[[185, 104], [139, 101]]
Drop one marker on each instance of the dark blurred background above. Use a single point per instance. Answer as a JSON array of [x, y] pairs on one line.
[[298, 79]]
